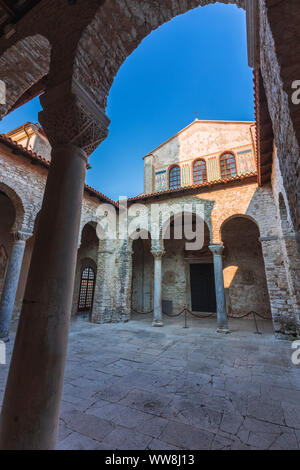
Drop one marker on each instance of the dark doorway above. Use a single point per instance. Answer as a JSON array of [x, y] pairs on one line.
[[203, 288]]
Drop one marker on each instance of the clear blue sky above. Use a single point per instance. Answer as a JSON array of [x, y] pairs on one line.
[[196, 62]]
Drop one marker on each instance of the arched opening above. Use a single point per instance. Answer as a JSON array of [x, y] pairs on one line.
[[188, 272], [86, 271], [243, 267], [142, 274]]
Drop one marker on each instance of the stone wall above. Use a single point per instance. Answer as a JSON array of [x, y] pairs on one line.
[[278, 92], [288, 249], [24, 184]]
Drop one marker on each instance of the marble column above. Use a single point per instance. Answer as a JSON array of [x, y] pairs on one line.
[[11, 283], [157, 307], [220, 291], [31, 406]]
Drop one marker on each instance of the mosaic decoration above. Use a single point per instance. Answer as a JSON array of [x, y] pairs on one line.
[[246, 161], [213, 172], [185, 175], [160, 180]]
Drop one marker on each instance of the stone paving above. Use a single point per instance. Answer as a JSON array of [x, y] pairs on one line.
[[131, 386]]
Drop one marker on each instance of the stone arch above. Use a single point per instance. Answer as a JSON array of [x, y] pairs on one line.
[[88, 245], [88, 263], [165, 222], [235, 216], [20, 70], [117, 28], [18, 206], [84, 223]]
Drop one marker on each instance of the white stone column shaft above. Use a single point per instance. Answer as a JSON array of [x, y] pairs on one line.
[[219, 286], [157, 308], [11, 283]]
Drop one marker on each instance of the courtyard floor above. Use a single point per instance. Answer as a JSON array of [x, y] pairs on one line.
[[132, 386]]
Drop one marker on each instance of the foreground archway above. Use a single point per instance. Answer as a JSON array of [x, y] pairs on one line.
[[61, 203]]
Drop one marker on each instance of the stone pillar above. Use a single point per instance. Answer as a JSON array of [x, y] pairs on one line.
[[220, 291], [283, 314], [33, 392], [104, 310], [125, 282], [157, 308], [11, 283]]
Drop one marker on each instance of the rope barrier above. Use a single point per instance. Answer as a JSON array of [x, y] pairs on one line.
[[249, 313], [196, 315]]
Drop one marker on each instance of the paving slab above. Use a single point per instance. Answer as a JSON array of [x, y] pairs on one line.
[[131, 386]]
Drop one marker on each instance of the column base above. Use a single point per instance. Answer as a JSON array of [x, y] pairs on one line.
[[225, 331], [157, 323]]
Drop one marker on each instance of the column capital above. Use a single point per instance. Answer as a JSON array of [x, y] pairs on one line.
[[70, 116], [216, 249], [158, 253], [21, 236]]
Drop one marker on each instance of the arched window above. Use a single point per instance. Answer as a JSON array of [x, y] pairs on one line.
[[174, 177], [228, 166], [199, 172], [86, 293]]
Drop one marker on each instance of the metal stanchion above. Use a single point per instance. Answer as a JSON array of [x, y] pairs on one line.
[[185, 319], [257, 332]]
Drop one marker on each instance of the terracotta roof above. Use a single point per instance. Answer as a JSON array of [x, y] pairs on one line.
[[193, 187], [35, 158], [19, 149]]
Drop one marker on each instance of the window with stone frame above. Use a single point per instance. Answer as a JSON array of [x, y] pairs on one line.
[[174, 177], [228, 166], [199, 172]]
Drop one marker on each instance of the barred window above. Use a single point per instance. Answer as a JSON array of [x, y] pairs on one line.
[[228, 166], [174, 177], [86, 293], [199, 172]]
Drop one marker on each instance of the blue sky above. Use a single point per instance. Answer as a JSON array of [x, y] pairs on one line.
[[195, 62]]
